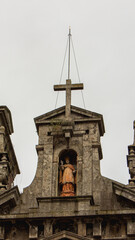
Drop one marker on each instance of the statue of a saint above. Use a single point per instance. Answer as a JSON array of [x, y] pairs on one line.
[[67, 178]]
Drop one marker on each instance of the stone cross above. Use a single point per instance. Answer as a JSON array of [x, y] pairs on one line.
[[68, 87]]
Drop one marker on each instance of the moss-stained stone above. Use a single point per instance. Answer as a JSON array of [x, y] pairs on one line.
[[100, 208]]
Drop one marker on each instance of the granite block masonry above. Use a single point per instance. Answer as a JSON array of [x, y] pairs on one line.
[[68, 198]]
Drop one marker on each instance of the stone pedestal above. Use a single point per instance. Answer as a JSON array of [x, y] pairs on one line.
[[81, 228]]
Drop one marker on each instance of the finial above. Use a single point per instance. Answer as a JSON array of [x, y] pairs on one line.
[[69, 31], [134, 132]]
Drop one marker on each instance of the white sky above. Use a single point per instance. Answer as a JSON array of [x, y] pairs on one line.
[[33, 35]]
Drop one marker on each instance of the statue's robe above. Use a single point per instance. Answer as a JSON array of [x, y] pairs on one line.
[[68, 176], [67, 180]]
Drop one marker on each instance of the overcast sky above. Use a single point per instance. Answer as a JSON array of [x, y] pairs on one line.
[[33, 36]]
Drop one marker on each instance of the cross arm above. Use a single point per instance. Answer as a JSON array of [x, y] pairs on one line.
[[60, 87], [63, 87], [77, 86]]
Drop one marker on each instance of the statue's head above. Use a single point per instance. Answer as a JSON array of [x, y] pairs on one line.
[[67, 159]]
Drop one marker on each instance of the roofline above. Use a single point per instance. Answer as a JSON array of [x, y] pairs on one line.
[[60, 110], [63, 108]]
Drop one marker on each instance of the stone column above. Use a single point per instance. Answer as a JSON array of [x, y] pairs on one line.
[[2, 232], [97, 230], [47, 167], [79, 176], [130, 227], [55, 174], [96, 179], [2, 139], [33, 232], [55, 179], [87, 166], [48, 228], [81, 228]]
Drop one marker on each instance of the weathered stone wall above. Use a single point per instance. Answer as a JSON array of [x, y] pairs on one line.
[[45, 183], [85, 141], [99, 210], [105, 227]]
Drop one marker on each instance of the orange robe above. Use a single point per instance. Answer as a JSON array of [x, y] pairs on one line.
[[68, 176], [67, 180]]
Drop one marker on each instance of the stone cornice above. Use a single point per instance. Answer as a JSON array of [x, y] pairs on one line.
[[124, 191], [86, 116], [98, 145], [9, 198], [91, 213], [65, 199]]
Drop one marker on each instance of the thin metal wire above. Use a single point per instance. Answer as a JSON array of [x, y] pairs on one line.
[[61, 72], [77, 70]]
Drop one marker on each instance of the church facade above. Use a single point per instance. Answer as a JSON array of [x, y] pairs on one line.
[[68, 198]]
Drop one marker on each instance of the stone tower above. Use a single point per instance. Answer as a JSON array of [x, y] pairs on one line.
[[68, 198], [8, 163], [66, 191]]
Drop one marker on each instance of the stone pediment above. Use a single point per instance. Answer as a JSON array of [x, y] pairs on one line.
[[65, 234], [124, 192], [77, 115], [8, 199]]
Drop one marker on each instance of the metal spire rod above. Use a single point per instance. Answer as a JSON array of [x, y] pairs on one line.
[[134, 132], [69, 36]]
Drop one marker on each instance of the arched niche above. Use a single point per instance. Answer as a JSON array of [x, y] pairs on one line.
[[59, 149], [67, 172], [71, 154]]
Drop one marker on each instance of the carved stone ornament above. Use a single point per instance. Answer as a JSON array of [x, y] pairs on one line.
[[33, 232]]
